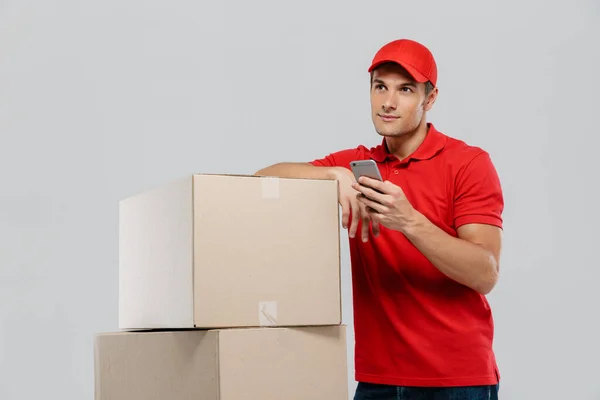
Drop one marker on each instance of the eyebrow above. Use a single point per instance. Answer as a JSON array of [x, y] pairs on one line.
[[379, 81]]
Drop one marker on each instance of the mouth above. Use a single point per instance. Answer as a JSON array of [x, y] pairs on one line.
[[388, 118]]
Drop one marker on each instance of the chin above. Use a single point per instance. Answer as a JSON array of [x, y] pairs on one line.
[[390, 132]]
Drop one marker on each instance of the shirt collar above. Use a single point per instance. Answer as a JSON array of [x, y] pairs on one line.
[[434, 143]]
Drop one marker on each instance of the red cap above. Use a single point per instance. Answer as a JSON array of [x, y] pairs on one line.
[[413, 56]]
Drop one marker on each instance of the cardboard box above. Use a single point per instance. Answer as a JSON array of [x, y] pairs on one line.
[[231, 364], [216, 251]]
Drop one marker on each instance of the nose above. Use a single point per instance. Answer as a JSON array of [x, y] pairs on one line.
[[389, 102]]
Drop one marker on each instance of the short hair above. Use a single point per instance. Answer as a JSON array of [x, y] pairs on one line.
[[428, 85]]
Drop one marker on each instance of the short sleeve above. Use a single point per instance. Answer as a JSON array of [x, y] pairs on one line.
[[478, 193], [340, 158]]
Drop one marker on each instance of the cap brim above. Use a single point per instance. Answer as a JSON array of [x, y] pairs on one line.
[[417, 76]]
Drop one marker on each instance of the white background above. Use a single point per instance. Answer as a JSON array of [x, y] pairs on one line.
[[102, 99]]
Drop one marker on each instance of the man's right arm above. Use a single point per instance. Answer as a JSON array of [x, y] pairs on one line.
[[351, 208], [299, 170]]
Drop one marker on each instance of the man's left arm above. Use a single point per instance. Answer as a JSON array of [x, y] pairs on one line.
[[473, 257]]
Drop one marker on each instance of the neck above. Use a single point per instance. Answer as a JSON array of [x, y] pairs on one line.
[[403, 146]]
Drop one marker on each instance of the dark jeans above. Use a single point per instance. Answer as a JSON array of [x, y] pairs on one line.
[[370, 391]]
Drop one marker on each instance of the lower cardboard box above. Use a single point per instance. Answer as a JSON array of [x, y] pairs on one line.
[[223, 364]]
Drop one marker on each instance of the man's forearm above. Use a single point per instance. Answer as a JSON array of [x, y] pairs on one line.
[[463, 261], [297, 170]]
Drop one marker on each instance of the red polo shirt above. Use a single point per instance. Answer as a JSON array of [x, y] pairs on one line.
[[413, 325]]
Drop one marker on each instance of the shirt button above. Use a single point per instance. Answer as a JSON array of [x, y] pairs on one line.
[[396, 172]]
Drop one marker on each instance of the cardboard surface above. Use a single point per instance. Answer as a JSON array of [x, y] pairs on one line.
[[219, 251], [230, 364], [155, 258]]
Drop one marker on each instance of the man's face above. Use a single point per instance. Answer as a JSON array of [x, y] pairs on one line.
[[397, 101]]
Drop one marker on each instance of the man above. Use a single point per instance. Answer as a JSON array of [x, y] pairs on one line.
[[424, 244]]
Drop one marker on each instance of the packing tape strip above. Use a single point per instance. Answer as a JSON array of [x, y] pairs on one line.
[[267, 313], [269, 187]]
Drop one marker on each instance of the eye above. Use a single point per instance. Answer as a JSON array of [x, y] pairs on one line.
[[406, 89], [379, 87]]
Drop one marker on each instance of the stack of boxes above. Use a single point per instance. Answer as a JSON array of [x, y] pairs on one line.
[[229, 289]]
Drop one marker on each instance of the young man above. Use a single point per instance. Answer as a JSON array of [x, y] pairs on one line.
[[424, 244]]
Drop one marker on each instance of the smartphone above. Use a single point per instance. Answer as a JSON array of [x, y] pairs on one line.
[[366, 168]]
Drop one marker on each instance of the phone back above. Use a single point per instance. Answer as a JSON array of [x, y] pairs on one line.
[[366, 168]]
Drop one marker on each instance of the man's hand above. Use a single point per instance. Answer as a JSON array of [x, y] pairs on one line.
[[471, 259], [351, 206], [386, 203]]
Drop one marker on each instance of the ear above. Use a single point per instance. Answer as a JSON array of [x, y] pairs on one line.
[[430, 99]]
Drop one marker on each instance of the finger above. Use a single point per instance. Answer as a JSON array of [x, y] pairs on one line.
[[345, 213], [375, 227], [376, 219], [375, 184], [372, 194], [377, 207], [355, 209], [365, 230], [365, 225]]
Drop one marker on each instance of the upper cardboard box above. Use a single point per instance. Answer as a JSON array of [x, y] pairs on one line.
[[218, 251]]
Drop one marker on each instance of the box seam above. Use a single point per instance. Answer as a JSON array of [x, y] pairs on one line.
[[218, 366], [339, 251], [97, 365], [193, 240]]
